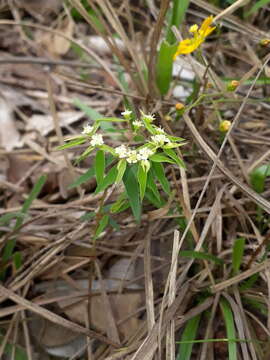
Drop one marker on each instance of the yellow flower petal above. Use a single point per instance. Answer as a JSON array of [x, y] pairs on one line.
[[187, 46]]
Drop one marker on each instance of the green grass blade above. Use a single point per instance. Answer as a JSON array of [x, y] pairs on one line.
[[93, 114], [32, 196], [259, 4], [189, 334], [133, 192], [201, 256], [230, 328], [177, 17], [237, 255]]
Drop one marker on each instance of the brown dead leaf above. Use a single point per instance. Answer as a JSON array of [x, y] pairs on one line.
[[44, 123], [122, 305], [55, 44]]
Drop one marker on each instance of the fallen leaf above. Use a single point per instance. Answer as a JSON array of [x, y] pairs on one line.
[[9, 135]]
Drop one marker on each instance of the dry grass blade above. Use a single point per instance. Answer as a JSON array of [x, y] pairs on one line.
[[210, 153], [170, 336]]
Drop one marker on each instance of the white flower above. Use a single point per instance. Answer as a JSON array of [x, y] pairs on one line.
[[159, 130], [97, 139], [147, 117], [160, 139], [132, 157], [87, 129], [126, 114], [144, 153], [122, 151], [137, 123]]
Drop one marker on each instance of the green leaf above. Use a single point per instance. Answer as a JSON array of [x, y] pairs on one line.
[[88, 216], [142, 179], [133, 191], [17, 259], [230, 328], [248, 284], [159, 172], [171, 153], [258, 176], [152, 185], [161, 158], [83, 178], [149, 195], [108, 180], [200, 255], [121, 167], [258, 4], [6, 218], [78, 141], [31, 197], [164, 66], [111, 119], [189, 334], [99, 166], [84, 154], [102, 225], [179, 10], [8, 250], [237, 255], [92, 114], [120, 205]]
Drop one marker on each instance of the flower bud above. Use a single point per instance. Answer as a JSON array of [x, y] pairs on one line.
[[265, 42], [224, 125], [233, 85]]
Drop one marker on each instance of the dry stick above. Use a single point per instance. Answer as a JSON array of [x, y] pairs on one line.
[[43, 61], [149, 292], [240, 277], [56, 319]]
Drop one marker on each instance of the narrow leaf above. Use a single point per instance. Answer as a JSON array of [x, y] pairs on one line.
[[133, 192], [108, 180], [142, 179], [189, 334], [159, 172], [200, 255], [237, 255], [102, 225], [99, 166], [121, 167], [230, 328]]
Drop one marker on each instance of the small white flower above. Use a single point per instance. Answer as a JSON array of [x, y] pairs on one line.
[[160, 139], [122, 151], [87, 129], [137, 123], [97, 139], [147, 117], [159, 130], [132, 157], [126, 114], [144, 153]]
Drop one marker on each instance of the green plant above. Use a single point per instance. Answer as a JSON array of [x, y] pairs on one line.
[[138, 166]]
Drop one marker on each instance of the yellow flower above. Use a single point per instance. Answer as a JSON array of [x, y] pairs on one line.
[[187, 46]]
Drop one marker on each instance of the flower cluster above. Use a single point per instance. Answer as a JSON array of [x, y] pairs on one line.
[[187, 46], [157, 139], [133, 156]]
